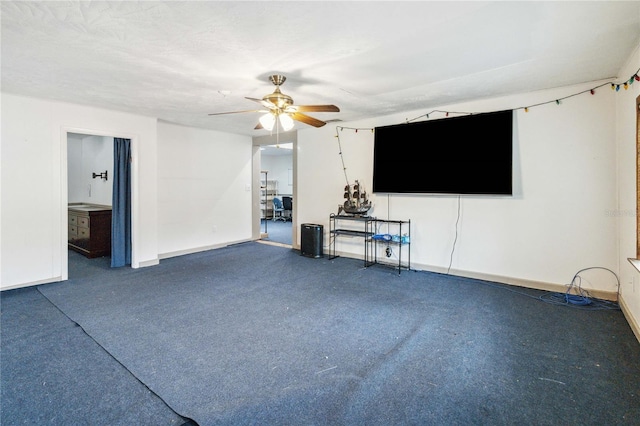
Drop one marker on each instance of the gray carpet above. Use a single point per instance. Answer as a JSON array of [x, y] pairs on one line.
[[256, 334], [54, 374]]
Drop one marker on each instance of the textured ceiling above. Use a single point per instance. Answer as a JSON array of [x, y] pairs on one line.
[[179, 60]]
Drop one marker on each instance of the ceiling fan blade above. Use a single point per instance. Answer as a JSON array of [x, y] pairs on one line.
[[239, 112], [258, 126], [264, 103], [313, 108], [307, 119]]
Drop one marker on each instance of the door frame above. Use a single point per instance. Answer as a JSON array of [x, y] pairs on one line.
[[64, 192], [288, 137]]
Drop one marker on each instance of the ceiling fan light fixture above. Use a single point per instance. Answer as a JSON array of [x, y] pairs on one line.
[[268, 120], [286, 121]]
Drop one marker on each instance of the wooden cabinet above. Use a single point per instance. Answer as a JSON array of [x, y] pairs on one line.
[[90, 229]]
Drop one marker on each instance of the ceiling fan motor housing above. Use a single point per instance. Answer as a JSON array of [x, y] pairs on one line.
[[278, 98]]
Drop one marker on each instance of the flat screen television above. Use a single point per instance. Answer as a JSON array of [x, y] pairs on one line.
[[470, 154]]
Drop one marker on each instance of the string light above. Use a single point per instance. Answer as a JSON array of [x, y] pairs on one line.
[[355, 129], [592, 91]]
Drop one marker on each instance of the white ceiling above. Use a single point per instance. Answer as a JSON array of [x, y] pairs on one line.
[[180, 60]]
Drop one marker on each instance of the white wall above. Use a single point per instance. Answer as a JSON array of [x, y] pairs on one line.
[[555, 224], [76, 186], [280, 169], [33, 240], [627, 208], [87, 155], [204, 189]]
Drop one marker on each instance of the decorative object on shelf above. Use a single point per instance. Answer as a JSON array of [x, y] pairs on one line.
[[356, 200]]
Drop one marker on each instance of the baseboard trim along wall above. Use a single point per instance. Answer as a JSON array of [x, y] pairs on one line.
[[32, 283], [518, 282], [198, 249], [152, 262]]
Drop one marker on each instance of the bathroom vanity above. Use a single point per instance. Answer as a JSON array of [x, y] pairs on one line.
[[90, 229]]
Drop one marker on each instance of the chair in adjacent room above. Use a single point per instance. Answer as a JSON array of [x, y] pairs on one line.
[[278, 209], [287, 204]]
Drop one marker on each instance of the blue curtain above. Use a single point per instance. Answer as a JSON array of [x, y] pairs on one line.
[[121, 204]]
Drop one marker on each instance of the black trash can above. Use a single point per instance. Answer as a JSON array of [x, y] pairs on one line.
[[311, 240]]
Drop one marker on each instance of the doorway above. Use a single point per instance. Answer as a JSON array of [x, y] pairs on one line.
[[276, 160], [87, 187]]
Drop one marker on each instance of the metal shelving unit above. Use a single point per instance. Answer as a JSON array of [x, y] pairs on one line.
[[397, 238], [352, 226]]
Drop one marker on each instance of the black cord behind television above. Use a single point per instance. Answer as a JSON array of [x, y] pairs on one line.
[[470, 154]]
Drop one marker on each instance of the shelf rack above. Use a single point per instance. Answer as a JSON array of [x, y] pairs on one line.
[[366, 227], [399, 232], [354, 226]]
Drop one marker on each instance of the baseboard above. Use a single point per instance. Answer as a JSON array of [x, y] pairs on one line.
[[32, 283], [152, 262], [199, 249], [518, 282], [635, 327]]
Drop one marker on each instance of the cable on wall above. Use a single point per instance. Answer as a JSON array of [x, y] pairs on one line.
[[455, 240]]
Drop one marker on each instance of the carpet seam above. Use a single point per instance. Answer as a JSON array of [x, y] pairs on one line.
[[187, 419]]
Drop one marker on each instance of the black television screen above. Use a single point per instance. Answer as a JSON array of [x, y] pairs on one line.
[[470, 154]]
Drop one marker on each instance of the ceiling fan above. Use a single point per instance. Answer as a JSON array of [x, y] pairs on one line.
[[280, 109]]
